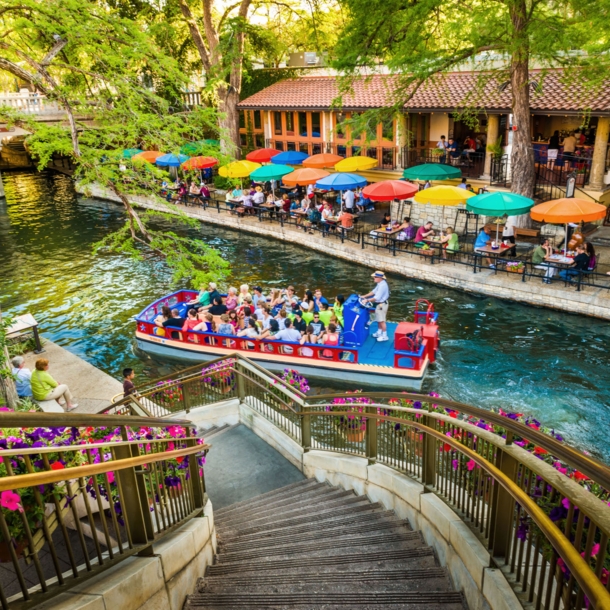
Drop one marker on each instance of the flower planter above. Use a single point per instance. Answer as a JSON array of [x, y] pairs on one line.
[[355, 436], [5, 552], [515, 269]]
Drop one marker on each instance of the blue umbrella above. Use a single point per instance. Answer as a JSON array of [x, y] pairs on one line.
[[289, 157], [341, 182], [171, 160]]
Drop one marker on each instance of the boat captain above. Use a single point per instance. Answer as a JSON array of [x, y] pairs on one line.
[[379, 297]]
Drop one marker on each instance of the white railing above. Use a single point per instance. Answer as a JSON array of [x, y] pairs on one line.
[[28, 102]]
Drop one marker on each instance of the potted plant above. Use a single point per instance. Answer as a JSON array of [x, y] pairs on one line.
[[515, 267]]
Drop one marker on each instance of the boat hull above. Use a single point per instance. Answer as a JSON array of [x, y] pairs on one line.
[[383, 377]]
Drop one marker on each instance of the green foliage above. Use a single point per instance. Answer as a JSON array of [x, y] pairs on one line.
[[257, 80]]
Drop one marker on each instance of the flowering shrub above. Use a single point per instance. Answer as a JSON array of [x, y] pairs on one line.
[[220, 374], [515, 266], [169, 394], [295, 380]]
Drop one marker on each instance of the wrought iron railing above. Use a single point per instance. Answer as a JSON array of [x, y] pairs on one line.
[[545, 531], [80, 493]]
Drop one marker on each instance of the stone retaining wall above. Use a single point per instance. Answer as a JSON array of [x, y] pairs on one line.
[[591, 301]]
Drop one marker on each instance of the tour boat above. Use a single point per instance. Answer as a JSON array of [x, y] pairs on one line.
[[400, 362]]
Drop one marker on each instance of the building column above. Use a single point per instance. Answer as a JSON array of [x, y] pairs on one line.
[[327, 135], [598, 163], [402, 138], [267, 127], [493, 128]]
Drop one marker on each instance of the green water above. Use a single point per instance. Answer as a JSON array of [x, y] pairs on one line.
[[493, 353]]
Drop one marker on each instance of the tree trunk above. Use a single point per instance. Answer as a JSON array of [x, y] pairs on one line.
[[229, 123], [7, 383]]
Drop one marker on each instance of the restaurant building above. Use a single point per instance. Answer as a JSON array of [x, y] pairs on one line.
[[303, 114]]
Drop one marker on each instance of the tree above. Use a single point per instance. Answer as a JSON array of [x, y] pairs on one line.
[[503, 39]]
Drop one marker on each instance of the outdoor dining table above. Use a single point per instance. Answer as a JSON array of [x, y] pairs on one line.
[[560, 259], [495, 252]]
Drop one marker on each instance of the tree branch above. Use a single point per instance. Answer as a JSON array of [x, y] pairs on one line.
[[196, 36]]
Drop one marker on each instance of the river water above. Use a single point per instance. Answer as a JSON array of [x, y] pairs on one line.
[[494, 353]]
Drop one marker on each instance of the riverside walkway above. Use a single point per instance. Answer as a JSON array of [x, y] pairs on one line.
[[462, 273]]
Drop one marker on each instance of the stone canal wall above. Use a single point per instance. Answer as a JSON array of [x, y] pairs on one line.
[[590, 301]]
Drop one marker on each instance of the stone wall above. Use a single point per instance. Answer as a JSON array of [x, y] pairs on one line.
[[591, 301]]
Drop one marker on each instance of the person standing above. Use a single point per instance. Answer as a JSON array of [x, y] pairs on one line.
[[348, 200], [22, 377], [442, 145], [44, 387], [379, 296]]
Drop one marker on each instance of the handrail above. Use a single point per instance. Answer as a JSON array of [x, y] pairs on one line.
[[56, 420]]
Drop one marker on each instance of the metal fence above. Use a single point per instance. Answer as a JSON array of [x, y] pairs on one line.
[[81, 493]]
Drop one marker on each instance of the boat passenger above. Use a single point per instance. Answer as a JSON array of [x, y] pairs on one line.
[[291, 300], [338, 308], [264, 317], [234, 320], [272, 330], [289, 333], [251, 330], [330, 337], [276, 299], [317, 324], [203, 300], [298, 323], [217, 308], [164, 316], [175, 321], [308, 303], [207, 325], [225, 327], [325, 313], [244, 293], [258, 296], [245, 316], [308, 337], [281, 318], [231, 300], [44, 387], [318, 299], [191, 321]]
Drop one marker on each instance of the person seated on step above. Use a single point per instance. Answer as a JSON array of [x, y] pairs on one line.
[[22, 377], [44, 387]]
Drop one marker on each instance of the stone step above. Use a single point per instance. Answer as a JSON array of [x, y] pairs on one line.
[[294, 488], [381, 558], [352, 520], [327, 548], [215, 431], [361, 507], [307, 501], [430, 579], [339, 530], [447, 600], [298, 516]]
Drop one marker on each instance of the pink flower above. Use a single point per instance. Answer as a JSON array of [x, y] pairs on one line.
[[111, 477], [470, 465], [11, 501]]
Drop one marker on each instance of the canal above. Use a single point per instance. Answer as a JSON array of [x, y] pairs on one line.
[[494, 353]]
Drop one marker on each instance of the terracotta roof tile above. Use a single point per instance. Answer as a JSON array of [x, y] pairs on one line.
[[446, 92]]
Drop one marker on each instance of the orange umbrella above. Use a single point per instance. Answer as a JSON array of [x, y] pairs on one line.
[[148, 155], [199, 163], [322, 160], [304, 176], [568, 209]]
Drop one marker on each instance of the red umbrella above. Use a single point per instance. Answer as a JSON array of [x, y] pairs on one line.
[[262, 155], [199, 163], [388, 190]]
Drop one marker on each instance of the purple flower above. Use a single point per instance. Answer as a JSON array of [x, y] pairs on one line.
[[417, 404], [522, 530]]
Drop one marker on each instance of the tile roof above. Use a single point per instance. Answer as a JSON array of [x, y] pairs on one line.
[[444, 92]]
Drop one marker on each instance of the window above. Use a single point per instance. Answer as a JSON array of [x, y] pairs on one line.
[[304, 147], [291, 146], [259, 140], [279, 146], [316, 126], [371, 152], [277, 122], [342, 151], [243, 139], [387, 130], [289, 123], [303, 131], [355, 134], [316, 149], [258, 123], [242, 119]]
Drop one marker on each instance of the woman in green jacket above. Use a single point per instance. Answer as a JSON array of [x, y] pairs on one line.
[[44, 387]]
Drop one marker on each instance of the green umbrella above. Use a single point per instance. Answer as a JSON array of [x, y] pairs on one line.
[[271, 172], [194, 148], [130, 152], [499, 204], [432, 171]]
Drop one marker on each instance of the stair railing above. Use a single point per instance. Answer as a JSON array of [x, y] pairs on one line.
[[123, 482]]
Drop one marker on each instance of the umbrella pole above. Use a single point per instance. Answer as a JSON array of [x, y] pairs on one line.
[[565, 250], [497, 231]]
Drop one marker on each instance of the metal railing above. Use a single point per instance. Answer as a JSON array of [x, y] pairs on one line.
[[545, 531], [80, 493], [472, 165]]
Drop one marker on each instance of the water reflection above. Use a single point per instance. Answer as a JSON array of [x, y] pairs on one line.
[[493, 353]]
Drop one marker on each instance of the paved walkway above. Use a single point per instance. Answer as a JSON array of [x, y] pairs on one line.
[[241, 465], [91, 388]]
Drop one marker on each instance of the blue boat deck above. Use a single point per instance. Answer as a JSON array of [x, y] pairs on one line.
[[379, 353]]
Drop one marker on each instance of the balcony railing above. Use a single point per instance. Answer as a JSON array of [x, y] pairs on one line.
[[545, 531], [80, 493], [30, 103]]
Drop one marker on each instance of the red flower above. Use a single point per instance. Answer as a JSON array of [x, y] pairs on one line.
[[579, 476], [57, 466], [540, 451], [180, 459], [446, 447]]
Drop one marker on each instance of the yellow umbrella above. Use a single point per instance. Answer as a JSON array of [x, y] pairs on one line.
[[355, 164], [238, 169], [443, 195]]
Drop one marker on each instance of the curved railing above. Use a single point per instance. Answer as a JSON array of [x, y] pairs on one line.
[[543, 513], [80, 493]]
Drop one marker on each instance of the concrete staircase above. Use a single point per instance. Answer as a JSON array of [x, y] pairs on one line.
[[310, 545]]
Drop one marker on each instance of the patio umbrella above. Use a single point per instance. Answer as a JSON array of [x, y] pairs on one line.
[[443, 195], [171, 160], [304, 176], [388, 190], [150, 156], [199, 163], [355, 164], [238, 169], [432, 171], [262, 155], [322, 161], [289, 157], [130, 152], [270, 172], [499, 204], [563, 211], [341, 182]]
